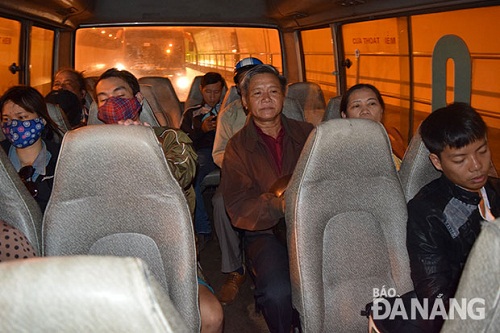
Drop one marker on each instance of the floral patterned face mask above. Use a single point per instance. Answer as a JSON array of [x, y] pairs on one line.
[[23, 133]]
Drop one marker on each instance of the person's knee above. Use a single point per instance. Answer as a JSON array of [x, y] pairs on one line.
[[212, 315], [275, 292]]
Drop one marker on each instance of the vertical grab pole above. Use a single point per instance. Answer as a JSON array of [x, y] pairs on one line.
[[357, 55], [451, 46]]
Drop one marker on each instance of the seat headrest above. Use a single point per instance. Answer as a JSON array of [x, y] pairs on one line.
[[167, 98], [84, 293], [341, 140], [311, 99], [150, 99], [58, 116], [116, 152], [230, 97], [308, 93], [416, 168], [292, 109], [332, 110]]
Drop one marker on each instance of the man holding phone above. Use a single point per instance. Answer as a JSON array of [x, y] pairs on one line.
[[200, 122]]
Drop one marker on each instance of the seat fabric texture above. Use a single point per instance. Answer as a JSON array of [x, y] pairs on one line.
[[230, 96], [84, 294], [346, 225], [150, 96], [332, 110], [311, 99], [417, 169], [166, 97], [480, 280], [58, 116], [114, 194]]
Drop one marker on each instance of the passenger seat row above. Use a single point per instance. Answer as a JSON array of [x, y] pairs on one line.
[[163, 103], [346, 213]]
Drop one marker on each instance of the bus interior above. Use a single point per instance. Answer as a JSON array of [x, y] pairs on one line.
[[391, 44]]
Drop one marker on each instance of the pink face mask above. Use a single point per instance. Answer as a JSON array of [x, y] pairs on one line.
[[117, 108]]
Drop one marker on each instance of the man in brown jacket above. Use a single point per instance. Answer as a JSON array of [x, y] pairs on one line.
[[263, 152]]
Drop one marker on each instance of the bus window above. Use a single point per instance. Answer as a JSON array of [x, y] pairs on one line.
[[378, 51], [180, 53], [480, 35], [319, 64], [10, 32], [41, 53]]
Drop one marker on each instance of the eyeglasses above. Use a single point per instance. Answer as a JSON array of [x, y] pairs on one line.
[[26, 174]]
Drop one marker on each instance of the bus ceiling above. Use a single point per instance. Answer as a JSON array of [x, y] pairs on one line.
[[286, 14], [298, 13], [54, 12]]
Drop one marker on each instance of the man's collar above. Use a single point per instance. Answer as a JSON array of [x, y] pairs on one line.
[[460, 193]]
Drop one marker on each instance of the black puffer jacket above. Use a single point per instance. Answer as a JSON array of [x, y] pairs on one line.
[[443, 224]]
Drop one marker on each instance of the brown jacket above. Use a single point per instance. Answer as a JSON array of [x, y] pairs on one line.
[[248, 172]]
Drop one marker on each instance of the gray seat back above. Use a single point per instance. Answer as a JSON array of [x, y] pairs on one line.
[[230, 96], [332, 110], [114, 194], [167, 98], [58, 116], [146, 115], [311, 99], [416, 168], [17, 206], [293, 110], [84, 294], [480, 281], [194, 95], [148, 93], [346, 225]]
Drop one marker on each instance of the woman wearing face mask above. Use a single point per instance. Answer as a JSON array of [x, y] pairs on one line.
[[30, 143]]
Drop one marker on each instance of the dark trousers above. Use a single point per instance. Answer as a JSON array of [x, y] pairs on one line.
[[205, 166], [267, 259]]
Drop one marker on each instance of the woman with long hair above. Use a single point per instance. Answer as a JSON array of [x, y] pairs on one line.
[[32, 139]]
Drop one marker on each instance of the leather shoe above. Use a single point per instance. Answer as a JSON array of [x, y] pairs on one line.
[[230, 288]]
